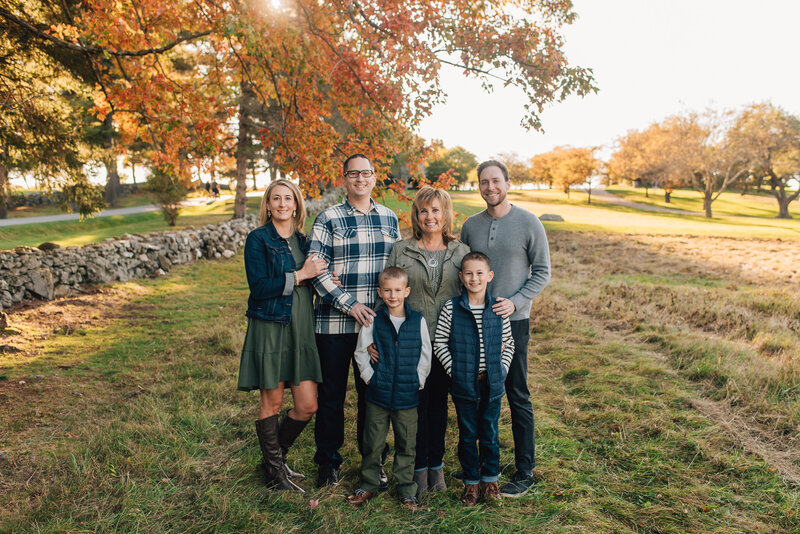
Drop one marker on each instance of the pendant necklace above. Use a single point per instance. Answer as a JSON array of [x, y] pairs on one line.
[[431, 260]]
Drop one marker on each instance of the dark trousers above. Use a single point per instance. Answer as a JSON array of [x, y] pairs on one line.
[[335, 355], [477, 422], [432, 418], [519, 399]]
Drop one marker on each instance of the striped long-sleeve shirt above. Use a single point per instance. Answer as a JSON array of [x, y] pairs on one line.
[[356, 246], [441, 341]]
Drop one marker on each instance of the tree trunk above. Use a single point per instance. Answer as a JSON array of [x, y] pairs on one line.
[[133, 172], [784, 200], [647, 192], [783, 208], [271, 173], [707, 204], [255, 185], [667, 194], [112, 181], [242, 148], [4, 184], [589, 200]]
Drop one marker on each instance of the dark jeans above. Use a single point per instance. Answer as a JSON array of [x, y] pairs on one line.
[[477, 421], [335, 355], [432, 418], [519, 399]]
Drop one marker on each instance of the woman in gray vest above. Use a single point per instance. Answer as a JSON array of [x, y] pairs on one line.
[[431, 258]]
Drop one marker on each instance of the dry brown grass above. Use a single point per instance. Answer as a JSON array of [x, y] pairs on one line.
[[725, 313]]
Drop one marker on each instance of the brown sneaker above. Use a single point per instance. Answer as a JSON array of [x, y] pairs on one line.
[[360, 497], [471, 494], [490, 492]]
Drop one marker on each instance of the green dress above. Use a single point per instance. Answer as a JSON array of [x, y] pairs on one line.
[[273, 352]]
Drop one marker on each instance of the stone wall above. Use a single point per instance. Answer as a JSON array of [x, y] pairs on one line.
[[28, 273]]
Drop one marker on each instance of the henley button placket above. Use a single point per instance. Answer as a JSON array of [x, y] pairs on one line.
[[492, 232]]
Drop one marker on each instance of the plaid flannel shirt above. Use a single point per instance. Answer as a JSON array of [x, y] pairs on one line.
[[356, 246]]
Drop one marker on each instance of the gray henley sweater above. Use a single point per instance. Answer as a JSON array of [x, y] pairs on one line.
[[517, 247]]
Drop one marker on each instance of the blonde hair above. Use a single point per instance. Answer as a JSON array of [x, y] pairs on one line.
[[425, 197], [300, 210]]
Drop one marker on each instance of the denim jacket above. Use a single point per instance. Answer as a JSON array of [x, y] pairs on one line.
[[269, 263]]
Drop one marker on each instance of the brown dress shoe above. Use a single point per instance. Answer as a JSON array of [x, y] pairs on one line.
[[360, 497], [471, 494], [490, 492]]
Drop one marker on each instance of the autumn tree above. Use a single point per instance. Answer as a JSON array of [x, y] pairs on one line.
[[458, 159], [39, 127], [770, 138], [519, 170], [542, 167], [376, 63], [573, 166]]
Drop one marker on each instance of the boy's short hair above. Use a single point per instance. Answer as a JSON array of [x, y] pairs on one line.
[[397, 273], [476, 256]]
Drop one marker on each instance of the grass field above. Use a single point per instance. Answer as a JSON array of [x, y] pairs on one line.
[[599, 216], [729, 203], [67, 233], [41, 211], [663, 370]]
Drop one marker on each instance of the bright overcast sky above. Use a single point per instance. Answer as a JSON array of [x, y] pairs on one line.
[[651, 59]]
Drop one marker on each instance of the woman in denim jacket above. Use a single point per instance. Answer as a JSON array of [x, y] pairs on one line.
[[279, 347]]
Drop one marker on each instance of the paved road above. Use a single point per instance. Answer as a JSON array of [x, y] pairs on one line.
[[107, 213]]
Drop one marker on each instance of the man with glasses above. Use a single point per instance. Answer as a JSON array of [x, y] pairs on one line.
[[355, 237]]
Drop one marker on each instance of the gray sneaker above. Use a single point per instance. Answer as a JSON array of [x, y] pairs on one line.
[[518, 486]]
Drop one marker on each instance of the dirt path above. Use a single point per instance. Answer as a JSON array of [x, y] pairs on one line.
[[611, 198]]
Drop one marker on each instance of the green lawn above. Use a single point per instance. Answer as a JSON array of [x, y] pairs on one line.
[[43, 211], [599, 216], [95, 229], [606, 217], [729, 203]]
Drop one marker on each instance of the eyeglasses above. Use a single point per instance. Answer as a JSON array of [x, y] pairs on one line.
[[364, 174]]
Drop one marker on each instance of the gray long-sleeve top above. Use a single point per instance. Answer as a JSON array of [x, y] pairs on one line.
[[517, 247]]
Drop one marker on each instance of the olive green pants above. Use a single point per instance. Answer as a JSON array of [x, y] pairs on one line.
[[376, 428]]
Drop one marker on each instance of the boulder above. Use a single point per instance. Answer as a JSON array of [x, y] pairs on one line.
[[42, 283], [49, 245], [61, 290], [164, 263], [551, 217]]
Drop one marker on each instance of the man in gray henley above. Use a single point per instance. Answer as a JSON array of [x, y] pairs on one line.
[[516, 244]]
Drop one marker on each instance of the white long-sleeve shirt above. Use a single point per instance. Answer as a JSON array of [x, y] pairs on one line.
[[441, 342], [365, 339]]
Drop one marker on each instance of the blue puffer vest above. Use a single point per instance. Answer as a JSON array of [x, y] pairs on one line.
[[395, 384], [267, 259], [465, 350]]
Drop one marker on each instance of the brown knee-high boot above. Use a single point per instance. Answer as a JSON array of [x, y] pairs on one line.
[[288, 430], [267, 431]]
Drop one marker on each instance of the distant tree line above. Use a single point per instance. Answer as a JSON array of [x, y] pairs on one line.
[[755, 148]]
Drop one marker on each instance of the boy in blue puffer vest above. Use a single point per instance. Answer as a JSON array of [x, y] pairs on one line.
[[393, 383], [476, 346]]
